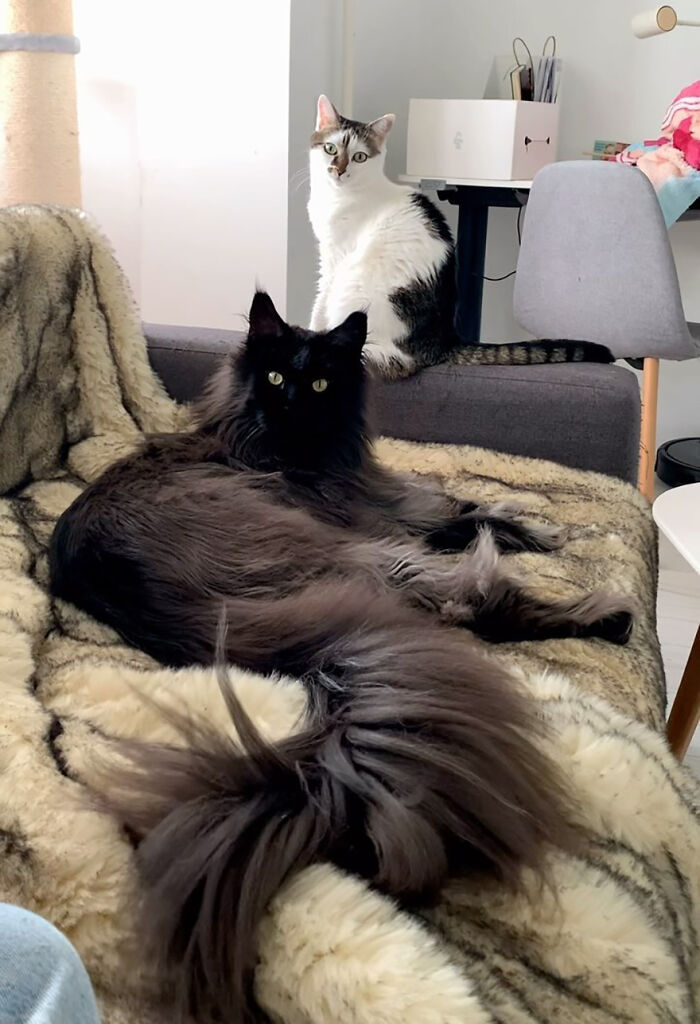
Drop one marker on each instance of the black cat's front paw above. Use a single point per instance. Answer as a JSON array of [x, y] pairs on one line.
[[616, 627], [510, 532], [515, 534], [605, 616]]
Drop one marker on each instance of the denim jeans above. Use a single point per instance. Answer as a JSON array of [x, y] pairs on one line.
[[42, 978]]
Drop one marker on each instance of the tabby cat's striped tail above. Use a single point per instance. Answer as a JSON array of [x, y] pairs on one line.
[[532, 352]]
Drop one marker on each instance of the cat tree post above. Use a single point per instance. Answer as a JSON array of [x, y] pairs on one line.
[[39, 155]]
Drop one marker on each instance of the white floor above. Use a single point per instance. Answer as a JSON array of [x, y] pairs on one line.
[[678, 617]]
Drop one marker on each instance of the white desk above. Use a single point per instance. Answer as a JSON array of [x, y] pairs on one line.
[[439, 184], [677, 514]]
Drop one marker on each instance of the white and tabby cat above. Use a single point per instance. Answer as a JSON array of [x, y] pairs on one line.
[[387, 249]]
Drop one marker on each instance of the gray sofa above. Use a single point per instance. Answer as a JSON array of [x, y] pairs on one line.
[[579, 276], [584, 415]]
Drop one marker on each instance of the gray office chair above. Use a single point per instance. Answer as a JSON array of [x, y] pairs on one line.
[[596, 264]]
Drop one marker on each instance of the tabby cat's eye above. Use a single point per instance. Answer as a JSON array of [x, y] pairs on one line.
[[320, 385], [331, 148], [359, 157], [275, 378]]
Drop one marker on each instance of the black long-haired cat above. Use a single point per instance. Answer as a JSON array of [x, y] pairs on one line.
[[418, 756]]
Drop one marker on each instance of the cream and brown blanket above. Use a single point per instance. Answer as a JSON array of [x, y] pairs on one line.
[[616, 937]]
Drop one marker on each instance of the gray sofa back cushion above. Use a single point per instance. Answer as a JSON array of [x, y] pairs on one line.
[[581, 414]]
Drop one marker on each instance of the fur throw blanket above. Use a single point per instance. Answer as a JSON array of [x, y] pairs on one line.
[[615, 939]]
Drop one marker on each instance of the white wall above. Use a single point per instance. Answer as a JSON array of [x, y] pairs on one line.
[[184, 142], [194, 138], [315, 67], [615, 86], [108, 125]]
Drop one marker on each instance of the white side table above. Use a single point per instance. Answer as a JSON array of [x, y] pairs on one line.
[[677, 514]]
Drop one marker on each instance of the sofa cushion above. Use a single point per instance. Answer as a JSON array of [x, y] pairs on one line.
[[584, 415]]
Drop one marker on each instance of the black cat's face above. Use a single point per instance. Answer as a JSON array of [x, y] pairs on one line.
[[306, 387]]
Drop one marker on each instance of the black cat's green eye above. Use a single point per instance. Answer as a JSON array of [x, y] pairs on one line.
[[275, 378], [359, 157], [320, 385], [331, 148]]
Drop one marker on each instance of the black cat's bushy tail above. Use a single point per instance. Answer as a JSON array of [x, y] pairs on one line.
[[419, 757]]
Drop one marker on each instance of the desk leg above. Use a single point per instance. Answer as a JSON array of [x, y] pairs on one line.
[[470, 254], [685, 713]]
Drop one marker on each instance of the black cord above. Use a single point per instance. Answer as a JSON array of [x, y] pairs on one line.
[[520, 238], [505, 277]]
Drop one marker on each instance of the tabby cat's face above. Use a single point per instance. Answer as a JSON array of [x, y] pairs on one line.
[[350, 152], [306, 387]]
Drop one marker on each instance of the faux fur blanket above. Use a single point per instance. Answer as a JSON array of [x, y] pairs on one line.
[[615, 939]]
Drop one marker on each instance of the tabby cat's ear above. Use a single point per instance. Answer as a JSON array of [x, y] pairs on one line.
[[381, 127], [351, 334], [326, 114], [263, 320]]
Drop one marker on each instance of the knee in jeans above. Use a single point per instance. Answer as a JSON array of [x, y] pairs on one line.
[[27, 935], [42, 978]]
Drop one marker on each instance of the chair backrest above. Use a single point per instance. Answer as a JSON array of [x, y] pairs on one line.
[[595, 263]]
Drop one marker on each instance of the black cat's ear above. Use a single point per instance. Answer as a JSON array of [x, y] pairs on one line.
[[351, 334], [263, 320]]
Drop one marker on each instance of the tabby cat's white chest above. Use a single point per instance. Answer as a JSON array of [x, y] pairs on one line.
[[375, 243], [341, 223]]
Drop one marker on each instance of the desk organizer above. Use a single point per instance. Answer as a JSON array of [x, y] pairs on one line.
[[502, 140]]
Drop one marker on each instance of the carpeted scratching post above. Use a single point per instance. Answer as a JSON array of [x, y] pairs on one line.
[[39, 155]]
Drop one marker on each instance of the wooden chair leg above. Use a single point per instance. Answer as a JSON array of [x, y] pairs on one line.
[[647, 440], [685, 713]]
